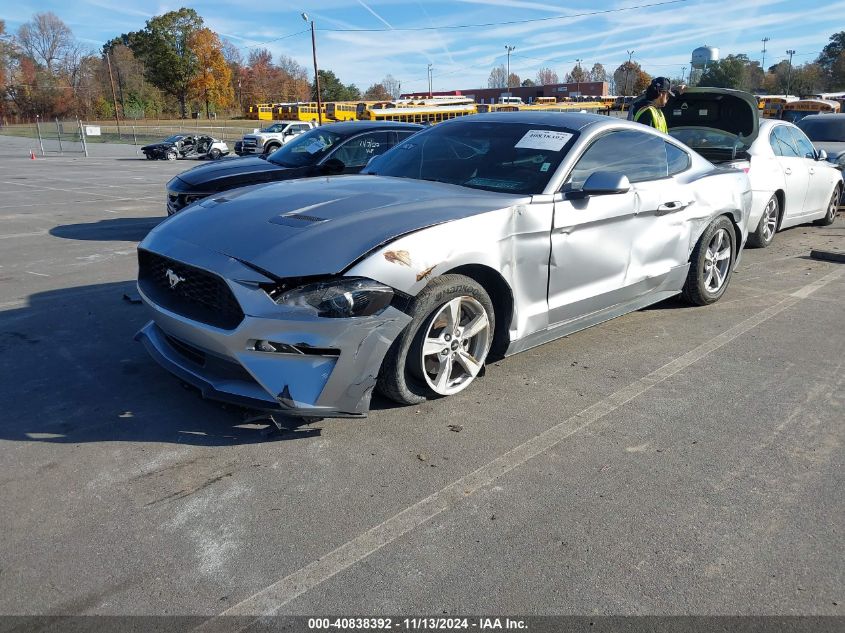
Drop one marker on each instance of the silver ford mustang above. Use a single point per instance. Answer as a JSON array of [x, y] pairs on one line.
[[487, 234]]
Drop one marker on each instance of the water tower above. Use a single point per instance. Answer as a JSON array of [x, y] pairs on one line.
[[702, 57]]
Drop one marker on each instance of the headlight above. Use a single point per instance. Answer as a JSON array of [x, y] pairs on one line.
[[840, 162], [340, 298]]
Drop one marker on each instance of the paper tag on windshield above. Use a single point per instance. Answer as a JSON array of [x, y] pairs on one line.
[[314, 146], [543, 139]]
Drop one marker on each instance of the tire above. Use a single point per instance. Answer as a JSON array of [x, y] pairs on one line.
[[214, 154], [172, 155], [763, 235], [708, 278], [832, 207], [407, 376], [271, 147]]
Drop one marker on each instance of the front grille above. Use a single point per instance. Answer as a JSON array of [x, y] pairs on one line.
[[189, 291]]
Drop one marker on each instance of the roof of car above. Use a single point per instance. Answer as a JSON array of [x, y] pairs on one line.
[[571, 120], [360, 126]]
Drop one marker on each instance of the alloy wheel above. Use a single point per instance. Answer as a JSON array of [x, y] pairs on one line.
[[770, 220], [833, 209], [456, 343], [717, 261]]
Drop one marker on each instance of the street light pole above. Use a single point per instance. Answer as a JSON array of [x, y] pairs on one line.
[[578, 76], [790, 52], [316, 72], [508, 76], [763, 63], [429, 82], [627, 72]]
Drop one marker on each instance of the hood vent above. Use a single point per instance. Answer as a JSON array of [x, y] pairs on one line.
[[297, 220]]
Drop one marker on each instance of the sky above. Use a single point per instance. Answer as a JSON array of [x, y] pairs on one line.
[[363, 40]]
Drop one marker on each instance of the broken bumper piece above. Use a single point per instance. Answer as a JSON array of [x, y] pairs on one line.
[[308, 368]]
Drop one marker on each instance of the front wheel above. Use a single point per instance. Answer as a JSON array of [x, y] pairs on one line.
[[172, 155], [711, 263], [272, 147], [832, 207], [763, 235], [214, 154], [443, 348]]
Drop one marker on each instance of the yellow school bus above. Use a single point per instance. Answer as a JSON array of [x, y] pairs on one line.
[[773, 105], [260, 111], [300, 112], [341, 111], [498, 107], [419, 114], [797, 110]]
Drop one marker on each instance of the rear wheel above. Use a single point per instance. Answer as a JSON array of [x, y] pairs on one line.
[[832, 207], [271, 147], [443, 348], [768, 225], [214, 154], [711, 263]]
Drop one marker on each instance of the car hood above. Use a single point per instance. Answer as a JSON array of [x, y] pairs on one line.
[[732, 111], [158, 146], [318, 226], [217, 175]]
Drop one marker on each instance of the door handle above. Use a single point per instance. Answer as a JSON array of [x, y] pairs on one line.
[[787, 171], [671, 207]]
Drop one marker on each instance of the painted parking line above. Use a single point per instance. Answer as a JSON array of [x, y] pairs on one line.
[[271, 599]]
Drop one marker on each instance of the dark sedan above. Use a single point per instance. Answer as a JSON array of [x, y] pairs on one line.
[[337, 148], [827, 131]]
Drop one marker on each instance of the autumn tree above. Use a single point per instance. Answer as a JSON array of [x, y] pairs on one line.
[[598, 73], [513, 80], [577, 75], [164, 47], [630, 79], [212, 82], [377, 92], [546, 76], [498, 77], [392, 86], [45, 39]]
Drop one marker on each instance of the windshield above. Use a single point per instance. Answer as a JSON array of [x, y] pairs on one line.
[[306, 149], [494, 156], [821, 128], [275, 128], [793, 116], [174, 138]]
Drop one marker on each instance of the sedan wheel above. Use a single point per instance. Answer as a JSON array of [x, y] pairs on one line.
[[442, 350], [171, 155], [711, 263], [214, 154], [457, 336], [832, 207], [768, 225]]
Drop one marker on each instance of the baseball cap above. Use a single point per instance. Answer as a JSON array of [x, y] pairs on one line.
[[661, 84]]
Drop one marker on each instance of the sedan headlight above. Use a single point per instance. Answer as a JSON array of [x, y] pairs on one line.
[[340, 298]]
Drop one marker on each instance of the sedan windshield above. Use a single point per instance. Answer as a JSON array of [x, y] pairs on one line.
[[174, 138], [306, 149], [492, 155], [822, 129]]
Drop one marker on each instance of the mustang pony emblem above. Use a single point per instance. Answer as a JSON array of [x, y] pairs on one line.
[[173, 279]]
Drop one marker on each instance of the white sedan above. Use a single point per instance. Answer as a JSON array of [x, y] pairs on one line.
[[792, 182]]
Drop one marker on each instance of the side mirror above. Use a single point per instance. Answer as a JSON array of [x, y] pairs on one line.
[[821, 155], [333, 166], [601, 183]]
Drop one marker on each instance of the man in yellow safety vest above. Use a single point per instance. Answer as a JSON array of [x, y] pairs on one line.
[[657, 95]]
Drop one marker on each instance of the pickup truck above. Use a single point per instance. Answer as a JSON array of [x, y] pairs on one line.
[[272, 137]]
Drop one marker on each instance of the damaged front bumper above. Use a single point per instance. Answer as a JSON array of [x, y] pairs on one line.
[[319, 367]]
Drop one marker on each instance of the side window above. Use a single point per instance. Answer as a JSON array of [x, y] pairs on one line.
[[678, 159], [787, 145], [402, 135], [638, 155], [805, 147], [357, 151], [775, 144]]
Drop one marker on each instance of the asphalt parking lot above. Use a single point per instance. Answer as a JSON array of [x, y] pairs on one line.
[[676, 460]]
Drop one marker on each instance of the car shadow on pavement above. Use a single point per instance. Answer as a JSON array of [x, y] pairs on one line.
[[76, 375], [116, 230]]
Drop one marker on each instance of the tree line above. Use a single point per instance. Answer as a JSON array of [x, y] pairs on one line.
[[174, 66]]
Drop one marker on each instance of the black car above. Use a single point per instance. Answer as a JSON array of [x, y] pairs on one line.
[[336, 148], [827, 131], [186, 146]]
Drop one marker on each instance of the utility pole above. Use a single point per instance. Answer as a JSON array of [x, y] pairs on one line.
[[508, 76], [763, 63], [429, 82], [578, 76], [113, 95], [316, 73], [627, 72], [683, 73], [790, 52]]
